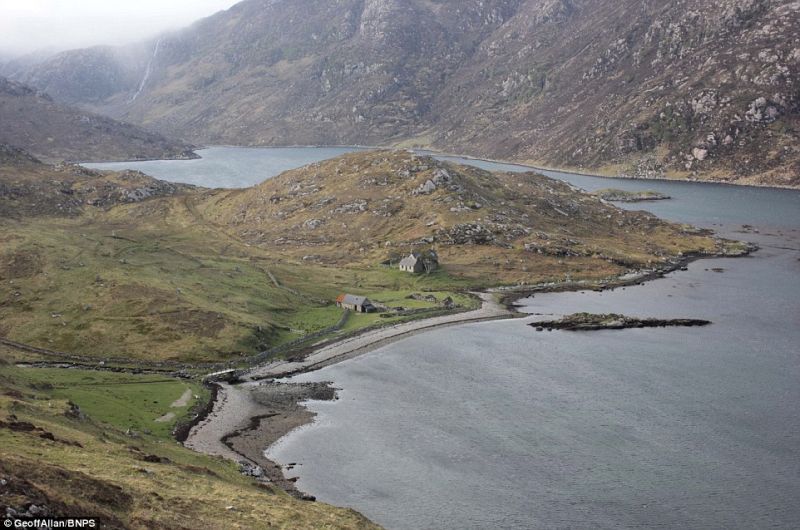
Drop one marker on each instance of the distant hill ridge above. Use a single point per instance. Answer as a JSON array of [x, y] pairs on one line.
[[648, 88], [31, 121]]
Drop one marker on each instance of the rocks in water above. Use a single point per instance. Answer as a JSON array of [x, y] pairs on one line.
[[591, 322], [630, 196]]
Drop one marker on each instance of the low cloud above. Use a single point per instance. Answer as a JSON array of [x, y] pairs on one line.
[[30, 25]]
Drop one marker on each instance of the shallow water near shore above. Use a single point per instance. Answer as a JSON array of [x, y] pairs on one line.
[[496, 425]]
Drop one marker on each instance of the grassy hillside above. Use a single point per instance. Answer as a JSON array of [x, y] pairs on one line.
[[91, 265], [164, 288], [100, 461], [361, 209]]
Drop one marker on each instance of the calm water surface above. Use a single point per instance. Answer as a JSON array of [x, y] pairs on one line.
[[230, 167], [495, 425]]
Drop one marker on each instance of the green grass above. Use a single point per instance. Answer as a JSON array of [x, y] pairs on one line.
[[157, 291], [91, 467], [314, 319], [364, 320], [121, 400]]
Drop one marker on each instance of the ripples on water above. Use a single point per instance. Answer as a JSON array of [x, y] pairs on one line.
[[495, 425]]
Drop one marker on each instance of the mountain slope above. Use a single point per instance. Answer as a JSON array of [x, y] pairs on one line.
[[689, 87], [52, 131], [686, 88]]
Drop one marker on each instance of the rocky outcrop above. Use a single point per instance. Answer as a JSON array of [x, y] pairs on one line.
[[368, 209], [615, 195], [34, 189], [592, 322]]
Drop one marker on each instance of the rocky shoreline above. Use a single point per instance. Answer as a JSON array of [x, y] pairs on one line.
[[539, 166], [283, 413], [510, 295]]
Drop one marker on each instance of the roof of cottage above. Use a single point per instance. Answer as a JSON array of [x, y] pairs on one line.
[[409, 261], [353, 300]]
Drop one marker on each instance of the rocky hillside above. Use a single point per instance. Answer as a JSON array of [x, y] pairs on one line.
[[364, 209], [685, 88], [30, 188], [52, 131], [691, 88]]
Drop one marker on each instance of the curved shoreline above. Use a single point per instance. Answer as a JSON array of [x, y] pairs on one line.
[[238, 428], [241, 429]]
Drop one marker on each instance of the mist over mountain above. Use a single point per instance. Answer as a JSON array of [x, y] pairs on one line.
[[686, 88], [36, 26]]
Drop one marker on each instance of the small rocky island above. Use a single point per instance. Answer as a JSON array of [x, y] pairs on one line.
[[615, 195], [591, 322]]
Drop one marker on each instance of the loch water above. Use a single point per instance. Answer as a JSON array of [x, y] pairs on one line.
[[496, 425]]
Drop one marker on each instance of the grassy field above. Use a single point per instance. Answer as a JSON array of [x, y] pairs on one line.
[[120, 400], [176, 290], [88, 465]]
